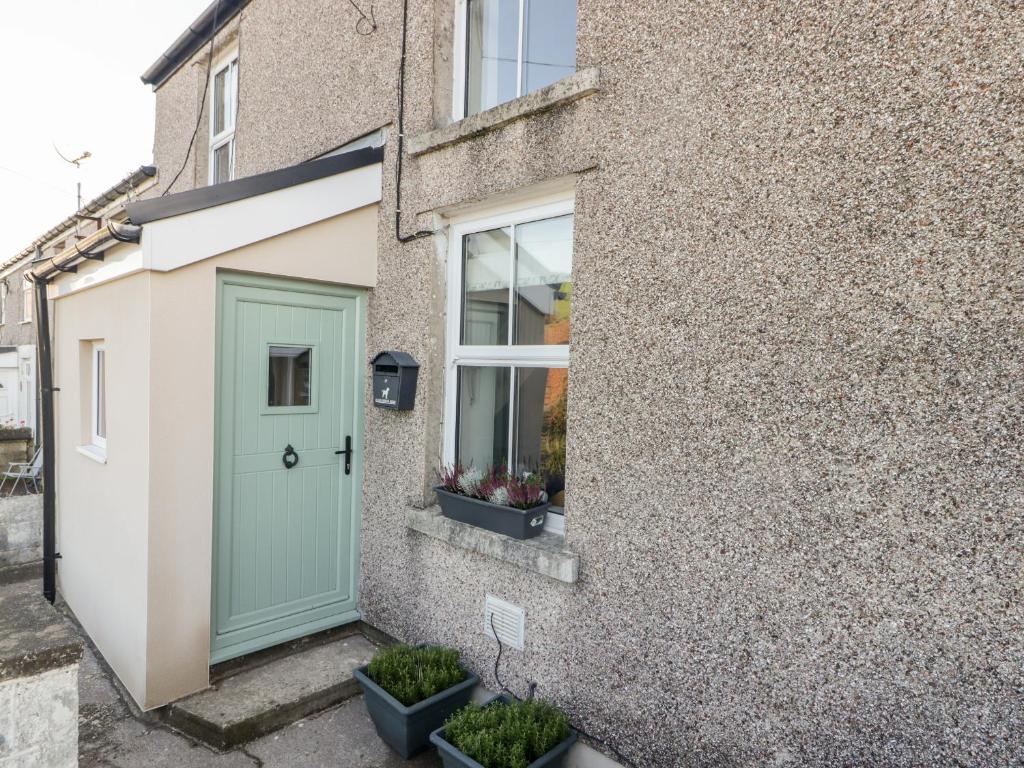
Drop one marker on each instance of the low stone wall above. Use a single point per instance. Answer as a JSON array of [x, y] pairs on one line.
[[16, 445], [21, 529]]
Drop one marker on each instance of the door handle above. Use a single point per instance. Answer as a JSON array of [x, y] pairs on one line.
[[290, 457], [347, 453]]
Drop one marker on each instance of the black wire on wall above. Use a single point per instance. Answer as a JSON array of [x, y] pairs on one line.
[[401, 139]]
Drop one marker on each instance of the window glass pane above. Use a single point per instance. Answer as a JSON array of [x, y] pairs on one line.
[[539, 428], [101, 393], [485, 276], [492, 55], [483, 416], [220, 82], [222, 163], [549, 44], [289, 376], [543, 281]]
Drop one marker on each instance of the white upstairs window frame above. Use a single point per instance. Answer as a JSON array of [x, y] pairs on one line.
[[511, 355], [4, 289], [226, 136], [27, 300], [460, 57]]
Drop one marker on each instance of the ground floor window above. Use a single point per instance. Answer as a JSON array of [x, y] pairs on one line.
[[510, 291]]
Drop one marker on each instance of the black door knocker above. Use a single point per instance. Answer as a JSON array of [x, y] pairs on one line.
[[290, 458]]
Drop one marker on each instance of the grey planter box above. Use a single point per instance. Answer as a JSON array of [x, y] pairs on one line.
[[407, 729], [451, 757], [517, 523]]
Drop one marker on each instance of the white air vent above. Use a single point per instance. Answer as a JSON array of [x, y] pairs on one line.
[[509, 621]]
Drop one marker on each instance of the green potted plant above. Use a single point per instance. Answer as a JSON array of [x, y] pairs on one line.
[[505, 733], [410, 691], [495, 500]]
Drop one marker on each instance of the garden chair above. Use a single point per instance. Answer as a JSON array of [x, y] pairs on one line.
[[26, 471]]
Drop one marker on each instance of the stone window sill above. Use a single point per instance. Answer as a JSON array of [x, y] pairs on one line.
[[566, 90], [546, 554], [93, 452]]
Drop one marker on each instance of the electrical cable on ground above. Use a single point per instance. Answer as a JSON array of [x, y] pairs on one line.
[[529, 696], [202, 104]]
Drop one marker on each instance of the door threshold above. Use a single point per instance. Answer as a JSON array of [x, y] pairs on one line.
[[225, 669]]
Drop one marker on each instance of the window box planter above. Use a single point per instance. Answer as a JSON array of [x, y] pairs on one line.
[[407, 729], [517, 523], [452, 757]]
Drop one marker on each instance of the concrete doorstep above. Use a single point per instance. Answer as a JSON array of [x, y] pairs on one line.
[[254, 701]]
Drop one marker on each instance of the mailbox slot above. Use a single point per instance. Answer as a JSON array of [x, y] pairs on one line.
[[394, 380]]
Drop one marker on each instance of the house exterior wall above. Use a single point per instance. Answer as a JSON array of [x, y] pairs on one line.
[[14, 332], [102, 525], [794, 433]]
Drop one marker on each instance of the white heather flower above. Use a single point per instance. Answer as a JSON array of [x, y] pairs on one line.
[[469, 481], [499, 496]]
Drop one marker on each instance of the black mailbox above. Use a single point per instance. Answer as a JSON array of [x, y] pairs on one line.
[[394, 380]]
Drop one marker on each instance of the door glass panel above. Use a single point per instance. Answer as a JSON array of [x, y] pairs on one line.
[[549, 45], [289, 376], [543, 281], [539, 427], [486, 271], [493, 52], [483, 416]]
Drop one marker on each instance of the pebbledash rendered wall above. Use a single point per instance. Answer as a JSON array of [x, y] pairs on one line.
[[795, 407]]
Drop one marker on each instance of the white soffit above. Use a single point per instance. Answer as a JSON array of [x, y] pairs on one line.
[[178, 241]]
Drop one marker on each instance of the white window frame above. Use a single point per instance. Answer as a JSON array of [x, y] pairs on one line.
[[26, 300], [226, 136], [4, 290], [516, 355], [461, 53], [98, 441]]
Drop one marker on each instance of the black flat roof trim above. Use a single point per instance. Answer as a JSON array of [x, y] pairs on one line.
[[191, 40], [177, 204]]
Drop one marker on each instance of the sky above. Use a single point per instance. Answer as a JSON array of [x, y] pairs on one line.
[[69, 77]]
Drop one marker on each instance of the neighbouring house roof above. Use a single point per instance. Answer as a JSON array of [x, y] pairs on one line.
[[145, 211], [125, 185], [199, 32]]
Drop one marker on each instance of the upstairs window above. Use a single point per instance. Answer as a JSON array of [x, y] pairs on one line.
[[223, 109], [510, 292], [509, 48], [26, 300], [3, 302]]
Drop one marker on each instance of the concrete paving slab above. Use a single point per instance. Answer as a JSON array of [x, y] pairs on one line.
[[249, 704], [341, 737]]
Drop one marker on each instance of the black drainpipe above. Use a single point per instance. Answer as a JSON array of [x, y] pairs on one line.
[[49, 475]]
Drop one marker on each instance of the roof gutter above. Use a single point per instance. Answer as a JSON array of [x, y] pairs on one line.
[[89, 249], [198, 33]]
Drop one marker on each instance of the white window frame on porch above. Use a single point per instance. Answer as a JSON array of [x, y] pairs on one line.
[[518, 356], [228, 62], [98, 398]]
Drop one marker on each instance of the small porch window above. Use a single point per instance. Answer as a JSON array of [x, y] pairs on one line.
[[508, 48], [510, 292], [99, 397], [223, 109]]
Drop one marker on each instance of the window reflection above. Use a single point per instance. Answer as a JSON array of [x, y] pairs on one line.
[[486, 274], [543, 281]]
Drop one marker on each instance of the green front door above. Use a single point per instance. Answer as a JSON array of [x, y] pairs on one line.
[[286, 520]]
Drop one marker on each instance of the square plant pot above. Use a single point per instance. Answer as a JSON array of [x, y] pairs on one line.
[[452, 757], [407, 729], [517, 523]]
